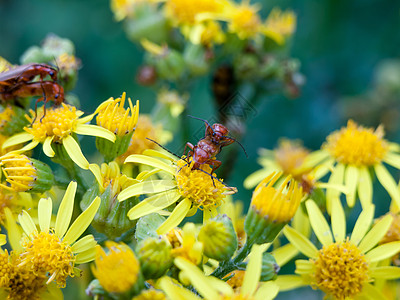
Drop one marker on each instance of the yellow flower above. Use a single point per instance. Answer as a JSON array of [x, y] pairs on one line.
[[112, 115], [351, 153], [55, 250], [117, 270], [173, 100], [345, 266], [187, 245], [4, 65], [150, 294], [15, 202], [189, 189], [58, 126], [122, 8], [18, 280], [279, 25], [244, 20], [183, 12], [68, 63], [212, 288]]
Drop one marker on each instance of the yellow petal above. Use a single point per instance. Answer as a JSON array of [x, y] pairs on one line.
[[95, 169], [85, 256], [289, 282], [300, 242], [304, 266], [338, 221], [65, 210], [45, 208], [375, 234], [146, 187], [84, 244], [161, 154], [197, 278], [387, 182], [386, 272], [351, 179], [178, 214], [47, 146], [383, 251], [17, 139], [362, 225], [27, 223], [392, 159], [315, 158], [371, 292], [336, 178], [319, 224], [175, 291], [150, 161], [253, 271], [75, 153], [82, 222], [13, 231], [255, 178], [153, 204], [266, 291], [284, 254], [94, 130], [364, 187]]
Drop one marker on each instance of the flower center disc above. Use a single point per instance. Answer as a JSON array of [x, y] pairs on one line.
[[341, 270]]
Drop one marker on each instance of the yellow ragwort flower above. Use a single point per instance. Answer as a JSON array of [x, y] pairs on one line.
[[244, 20], [118, 269], [279, 25], [58, 126], [345, 267], [351, 153], [55, 250], [189, 189]]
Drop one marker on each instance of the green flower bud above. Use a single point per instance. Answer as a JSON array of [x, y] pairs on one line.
[[54, 46], [219, 238], [155, 257], [33, 54], [170, 65], [269, 268], [195, 59]]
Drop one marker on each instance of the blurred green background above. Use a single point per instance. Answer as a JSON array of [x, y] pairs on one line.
[[340, 43]]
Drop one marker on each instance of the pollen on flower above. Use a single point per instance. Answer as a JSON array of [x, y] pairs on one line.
[[341, 270], [58, 122], [20, 282], [114, 117], [199, 187], [277, 205], [357, 145], [19, 172], [236, 279], [118, 269], [45, 252]]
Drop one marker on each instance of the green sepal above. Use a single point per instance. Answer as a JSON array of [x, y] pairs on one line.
[[147, 226], [45, 178], [112, 150], [270, 268], [16, 124]]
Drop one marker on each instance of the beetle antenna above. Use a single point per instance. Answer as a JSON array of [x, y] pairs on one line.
[[169, 151], [239, 145], [205, 121]]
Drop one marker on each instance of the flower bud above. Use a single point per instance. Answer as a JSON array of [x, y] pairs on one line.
[[122, 122], [110, 218], [155, 257], [23, 174], [219, 238], [271, 209], [270, 268]]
